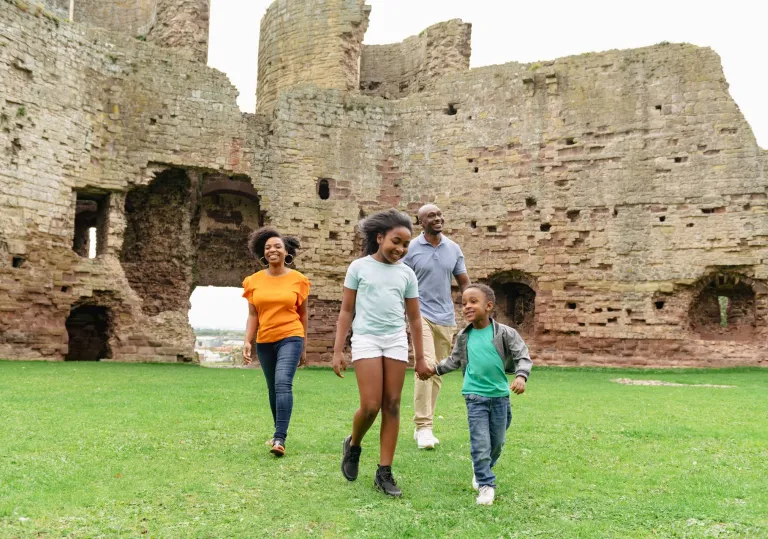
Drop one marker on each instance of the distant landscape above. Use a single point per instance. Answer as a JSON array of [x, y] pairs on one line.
[[219, 347]]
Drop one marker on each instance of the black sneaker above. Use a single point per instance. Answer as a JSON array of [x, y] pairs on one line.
[[386, 483], [350, 460]]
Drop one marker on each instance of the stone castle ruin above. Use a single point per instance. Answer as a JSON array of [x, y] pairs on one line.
[[616, 201]]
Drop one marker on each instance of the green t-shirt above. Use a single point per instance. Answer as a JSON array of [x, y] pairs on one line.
[[485, 374], [381, 293]]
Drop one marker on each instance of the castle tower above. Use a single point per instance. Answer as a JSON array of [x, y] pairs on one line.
[[310, 41]]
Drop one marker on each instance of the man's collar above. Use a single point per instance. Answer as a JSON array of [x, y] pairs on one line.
[[422, 239]]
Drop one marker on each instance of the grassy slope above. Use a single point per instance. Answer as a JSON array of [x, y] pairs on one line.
[[111, 449]]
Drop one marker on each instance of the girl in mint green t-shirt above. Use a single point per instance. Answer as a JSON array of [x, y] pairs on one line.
[[379, 291]]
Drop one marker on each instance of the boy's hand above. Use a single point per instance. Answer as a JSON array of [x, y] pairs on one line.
[[518, 386], [429, 373]]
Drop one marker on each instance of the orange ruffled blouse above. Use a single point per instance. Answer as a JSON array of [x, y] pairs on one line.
[[277, 300]]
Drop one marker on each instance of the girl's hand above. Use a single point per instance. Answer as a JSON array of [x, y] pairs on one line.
[[339, 364], [247, 359], [303, 358], [422, 369], [518, 386]]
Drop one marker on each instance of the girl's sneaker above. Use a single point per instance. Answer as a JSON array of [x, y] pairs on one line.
[[350, 459], [386, 483], [486, 496], [475, 485], [278, 448]]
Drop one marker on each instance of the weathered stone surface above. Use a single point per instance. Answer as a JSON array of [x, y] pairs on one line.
[[400, 69], [617, 201], [313, 41], [181, 25]]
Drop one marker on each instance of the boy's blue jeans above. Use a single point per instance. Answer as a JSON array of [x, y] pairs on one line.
[[489, 419], [279, 361]]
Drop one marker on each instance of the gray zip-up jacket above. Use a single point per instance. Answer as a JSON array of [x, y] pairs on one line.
[[508, 343]]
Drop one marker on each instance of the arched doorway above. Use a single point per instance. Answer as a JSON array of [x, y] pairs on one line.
[[229, 212], [88, 327], [724, 308], [515, 300]]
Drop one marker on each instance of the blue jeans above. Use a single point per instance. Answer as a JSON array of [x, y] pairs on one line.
[[279, 361], [489, 419]]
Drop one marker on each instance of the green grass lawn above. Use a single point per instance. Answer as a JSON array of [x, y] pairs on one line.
[[177, 451]]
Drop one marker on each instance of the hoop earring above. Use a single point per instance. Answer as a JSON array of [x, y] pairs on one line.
[[264, 264], [288, 262]]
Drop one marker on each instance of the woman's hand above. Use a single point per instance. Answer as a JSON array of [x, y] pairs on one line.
[[339, 364], [247, 350], [303, 358]]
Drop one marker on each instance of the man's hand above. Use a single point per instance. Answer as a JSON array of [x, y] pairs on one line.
[[518, 386], [423, 371], [247, 359]]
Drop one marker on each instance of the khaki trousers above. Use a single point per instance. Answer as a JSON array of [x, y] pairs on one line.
[[438, 342]]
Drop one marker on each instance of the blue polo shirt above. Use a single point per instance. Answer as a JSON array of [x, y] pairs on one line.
[[435, 268]]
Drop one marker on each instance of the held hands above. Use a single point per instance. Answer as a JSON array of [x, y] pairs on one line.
[[518, 385], [339, 364], [423, 371], [247, 350]]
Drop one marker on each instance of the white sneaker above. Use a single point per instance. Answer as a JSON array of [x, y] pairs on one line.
[[486, 496], [475, 486], [424, 439], [435, 440]]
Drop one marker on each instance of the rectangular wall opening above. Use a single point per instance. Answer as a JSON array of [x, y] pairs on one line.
[[91, 216]]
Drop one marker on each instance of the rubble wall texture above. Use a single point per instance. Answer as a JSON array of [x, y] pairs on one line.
[[414, 65], [182, 25], [84, 111], [617, 202], [310, 42], [133, 17]]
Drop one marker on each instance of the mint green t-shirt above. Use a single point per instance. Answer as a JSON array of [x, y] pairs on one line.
[[485, 374], [381, 293]]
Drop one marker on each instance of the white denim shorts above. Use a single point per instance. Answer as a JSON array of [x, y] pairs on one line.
[[394, 346]]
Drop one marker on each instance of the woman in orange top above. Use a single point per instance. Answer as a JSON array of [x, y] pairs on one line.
[[277, 315]]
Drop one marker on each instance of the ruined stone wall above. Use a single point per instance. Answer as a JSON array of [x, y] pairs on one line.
[[309, 42], [617, 202], [133, 17], [597, 193], [611, 182], [83, 115], [414, 65], [182, 25]]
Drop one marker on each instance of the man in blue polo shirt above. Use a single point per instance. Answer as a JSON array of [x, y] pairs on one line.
[[436, 260]]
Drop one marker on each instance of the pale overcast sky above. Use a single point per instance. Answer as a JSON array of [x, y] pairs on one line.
[[505, 31]]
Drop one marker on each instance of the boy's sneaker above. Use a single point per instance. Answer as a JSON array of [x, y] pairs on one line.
[[475, 485], [486, 496], [386, 483], [424, 439], [350, 460]]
